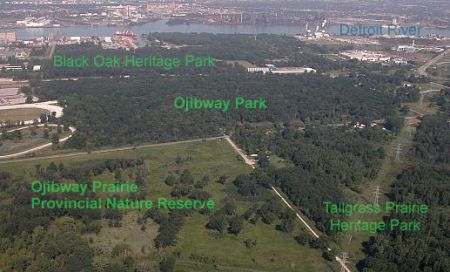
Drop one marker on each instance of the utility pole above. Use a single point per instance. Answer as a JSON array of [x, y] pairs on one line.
[[377, 195], [344, 261], [398, 149]]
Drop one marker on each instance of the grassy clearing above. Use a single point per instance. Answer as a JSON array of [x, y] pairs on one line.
[[14, 115], [275, 251], [130, 232], [426, 107], [242, 63], [441, 68], [279, 162], [28, 140]]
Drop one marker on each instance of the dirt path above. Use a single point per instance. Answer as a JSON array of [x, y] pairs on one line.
[[238, 150], [74, 154]]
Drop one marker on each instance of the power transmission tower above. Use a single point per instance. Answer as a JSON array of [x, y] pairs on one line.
[[398, 149], [377, 195], [344, 261]]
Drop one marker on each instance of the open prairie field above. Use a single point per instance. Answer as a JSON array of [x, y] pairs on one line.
[[197, 248]]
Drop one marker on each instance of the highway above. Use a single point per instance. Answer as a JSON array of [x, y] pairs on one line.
[[422, 70]]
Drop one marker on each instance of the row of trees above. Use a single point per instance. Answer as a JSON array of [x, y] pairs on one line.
[[83, 172]]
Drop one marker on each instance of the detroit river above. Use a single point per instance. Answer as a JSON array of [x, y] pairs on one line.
[[161, 26]]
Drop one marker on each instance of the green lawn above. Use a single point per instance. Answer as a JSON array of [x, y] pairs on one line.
[[275, 251]]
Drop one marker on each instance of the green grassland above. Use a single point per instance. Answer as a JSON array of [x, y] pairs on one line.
[[274, 250], [279, 162], [242, 63], [428, 105]]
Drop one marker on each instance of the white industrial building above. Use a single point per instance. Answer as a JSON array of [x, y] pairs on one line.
[[366, 56], [270, 68]]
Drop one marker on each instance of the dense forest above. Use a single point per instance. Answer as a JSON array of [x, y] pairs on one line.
[[133, 107], [224, 48], [122, 111]]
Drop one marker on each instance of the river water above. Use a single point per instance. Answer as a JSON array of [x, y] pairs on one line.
[[161, 26]]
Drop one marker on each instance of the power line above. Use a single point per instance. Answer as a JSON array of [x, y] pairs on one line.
[[377, 195], [344, 259], [398, 149]]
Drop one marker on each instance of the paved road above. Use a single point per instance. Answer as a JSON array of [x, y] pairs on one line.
[[440, 85], [422, 70], [74, 154], [72, 78], [39, 125], [429, 91]]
